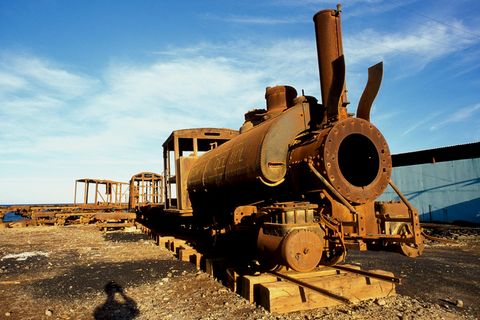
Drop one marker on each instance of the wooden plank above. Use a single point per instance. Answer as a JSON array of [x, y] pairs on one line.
[[250, 284], [282, 297], [163, 241], [191, 255], [175, 243], [18, 224], [182, 247], [9, 282], [232, 279], [114, 225], [196, 259], [212, 264], [184, 254]]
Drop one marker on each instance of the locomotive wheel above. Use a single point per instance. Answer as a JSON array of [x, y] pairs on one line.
[[335, 254], [409, 249], [256, 267], [302, 250]]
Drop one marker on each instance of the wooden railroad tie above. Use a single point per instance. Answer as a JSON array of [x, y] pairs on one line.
[[102, 225], [338, 286], [289, 291], [180, 248]]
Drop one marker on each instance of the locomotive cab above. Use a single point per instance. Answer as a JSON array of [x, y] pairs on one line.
[[180, 151]]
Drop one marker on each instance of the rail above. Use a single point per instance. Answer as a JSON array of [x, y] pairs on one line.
[[309, 286], [369, 274]]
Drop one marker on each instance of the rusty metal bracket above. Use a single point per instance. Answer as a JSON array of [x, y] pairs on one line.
[[400, 194], [274, 184], [411, 211], [375, 75], [337, 89], [331, 188]]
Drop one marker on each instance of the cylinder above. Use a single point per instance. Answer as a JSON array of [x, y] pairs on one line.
[[279, 98], [352, 155], [253, 161], [328, 33], [300, 248]]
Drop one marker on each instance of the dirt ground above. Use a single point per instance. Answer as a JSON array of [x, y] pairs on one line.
[[445, 273], [78, 272]]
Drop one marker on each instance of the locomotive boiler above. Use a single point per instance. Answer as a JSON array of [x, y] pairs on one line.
[[304, 176]]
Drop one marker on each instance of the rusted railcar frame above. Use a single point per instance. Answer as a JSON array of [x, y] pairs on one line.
[[117, 188], [146, 189], [179, 142]]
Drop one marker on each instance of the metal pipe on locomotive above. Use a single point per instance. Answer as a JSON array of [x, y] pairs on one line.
[[304, 176]]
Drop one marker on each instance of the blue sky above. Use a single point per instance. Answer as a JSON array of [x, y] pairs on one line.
[[93, 88]]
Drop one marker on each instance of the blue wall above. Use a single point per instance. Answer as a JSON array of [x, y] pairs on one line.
[[449, 190]]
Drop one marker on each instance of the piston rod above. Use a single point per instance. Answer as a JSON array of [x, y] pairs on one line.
[[331, 188]]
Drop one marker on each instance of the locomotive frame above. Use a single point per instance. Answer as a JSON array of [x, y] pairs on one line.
[[300, 176]]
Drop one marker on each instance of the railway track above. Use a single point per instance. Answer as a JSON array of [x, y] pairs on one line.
[[284, 290]]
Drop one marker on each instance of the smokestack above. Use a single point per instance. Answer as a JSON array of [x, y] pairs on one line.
[[280, 98], [331, 63]]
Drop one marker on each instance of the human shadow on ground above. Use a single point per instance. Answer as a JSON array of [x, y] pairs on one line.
[[80, 281], [117, 306]]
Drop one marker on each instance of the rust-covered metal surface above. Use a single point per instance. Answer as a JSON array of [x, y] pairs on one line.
[[181, 149], [60, 215], [303, 176], [351, 154], [146, 189], [104, 203], [331, 63], [106, 193], [257, 155]]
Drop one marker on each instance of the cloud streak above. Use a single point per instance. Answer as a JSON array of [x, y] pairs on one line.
[[460, 115], [426, 43], [54, 117], [256, 20], [30, 73]]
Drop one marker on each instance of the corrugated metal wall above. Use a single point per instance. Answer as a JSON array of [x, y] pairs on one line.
[[442, 191]]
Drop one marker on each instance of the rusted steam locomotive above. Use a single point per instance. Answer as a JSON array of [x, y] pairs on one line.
[[302, 176]]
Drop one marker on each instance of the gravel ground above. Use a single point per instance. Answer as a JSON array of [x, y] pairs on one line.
[[443, 275], [78, 272]]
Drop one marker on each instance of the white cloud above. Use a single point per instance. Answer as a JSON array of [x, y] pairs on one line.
[[327, 2], [290, 61], [41, 73], [184, 83], [371, 7], [256, 20], [460, 115], [22, 105], [420, 123], [422, 44], [352, 7], [464, 63], [62, 123], [36, 97], [10, 82], [59, 124], [54, 110]]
